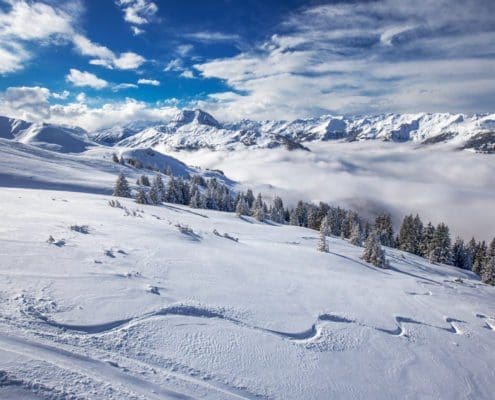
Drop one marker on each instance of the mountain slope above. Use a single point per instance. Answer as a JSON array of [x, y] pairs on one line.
[[137, 308], [64, 139]]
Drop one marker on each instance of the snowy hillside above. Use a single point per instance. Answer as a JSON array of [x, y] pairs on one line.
[[124, 305], [191, 130], [64, 139], [26, 165]]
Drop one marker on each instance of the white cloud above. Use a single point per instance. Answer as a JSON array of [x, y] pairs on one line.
[[81, 97], [83, 78], [136, 31], [188, 74], [30, 103], [184, 49], [207, 36], [92, 118], [53, 25], [138, 12], [364, 57], [105, 57], [28, 21], [124, 86], [174, 65], [61, 96], [152, 82], [17, 29]]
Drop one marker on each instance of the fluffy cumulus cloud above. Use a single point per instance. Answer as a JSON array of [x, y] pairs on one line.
[[104, 57], [30, 103], [33, 104], [53, 25], [82, 79], [17, 30], [364, 57]]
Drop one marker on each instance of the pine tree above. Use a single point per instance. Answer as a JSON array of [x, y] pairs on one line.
[[491, 248], [488, 271], [154, 196], [141, 196], [384, 230], [249, 198], [426, 245], [312, 221], [143, 180], [122, 188], [195, 201], [460, 255], [258, 208], [242, 207], [373, 252], [356, 235], [259, 214], [277, 210], [115, 158], [440, 250], [322, 242], [122, 160]]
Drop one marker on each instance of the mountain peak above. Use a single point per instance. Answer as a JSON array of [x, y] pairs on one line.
[[197, 116]]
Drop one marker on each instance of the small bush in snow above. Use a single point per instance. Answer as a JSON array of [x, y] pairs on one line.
[[115, 204], [80, 228]]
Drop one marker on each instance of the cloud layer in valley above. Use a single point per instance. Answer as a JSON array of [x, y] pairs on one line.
[[440, 185]]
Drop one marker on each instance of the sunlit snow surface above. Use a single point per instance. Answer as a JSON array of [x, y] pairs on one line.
[[136, 309]]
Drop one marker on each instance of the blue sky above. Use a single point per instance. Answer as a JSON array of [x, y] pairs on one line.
[[99, 62]]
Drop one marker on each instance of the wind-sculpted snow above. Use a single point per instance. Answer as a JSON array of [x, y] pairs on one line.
[[133, 309]]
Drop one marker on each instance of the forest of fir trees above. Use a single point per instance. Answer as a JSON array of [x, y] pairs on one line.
[[425, 240]]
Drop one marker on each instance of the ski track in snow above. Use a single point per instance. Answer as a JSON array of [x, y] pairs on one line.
[[489, 321], [311, 334], [94, 368]]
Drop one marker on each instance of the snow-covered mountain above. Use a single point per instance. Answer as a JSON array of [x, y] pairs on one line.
[[61, 138], [195, 129]]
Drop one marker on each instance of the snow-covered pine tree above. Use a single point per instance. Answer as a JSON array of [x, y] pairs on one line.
[[115, 158], [312, 221], [242, 207], [440, 250], [122, 160], [488, 271], [279, 210], [249, 198], [384, 230], [195, 197], [141, 196], [373, 252], [154, 196], [407, 235], [356, 235], [143, 180], [460, 255], [491, 248], [159, 188], [426, 244], [121, 188], [322, 241]]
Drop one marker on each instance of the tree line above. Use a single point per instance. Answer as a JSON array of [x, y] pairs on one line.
[[425, 240]]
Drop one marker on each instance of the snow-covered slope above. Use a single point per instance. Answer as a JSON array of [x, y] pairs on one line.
[[64, 139], [128, 307], [191, 130], [26, 165]]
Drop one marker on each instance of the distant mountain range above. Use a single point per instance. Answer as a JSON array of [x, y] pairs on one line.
[[196, 129]]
